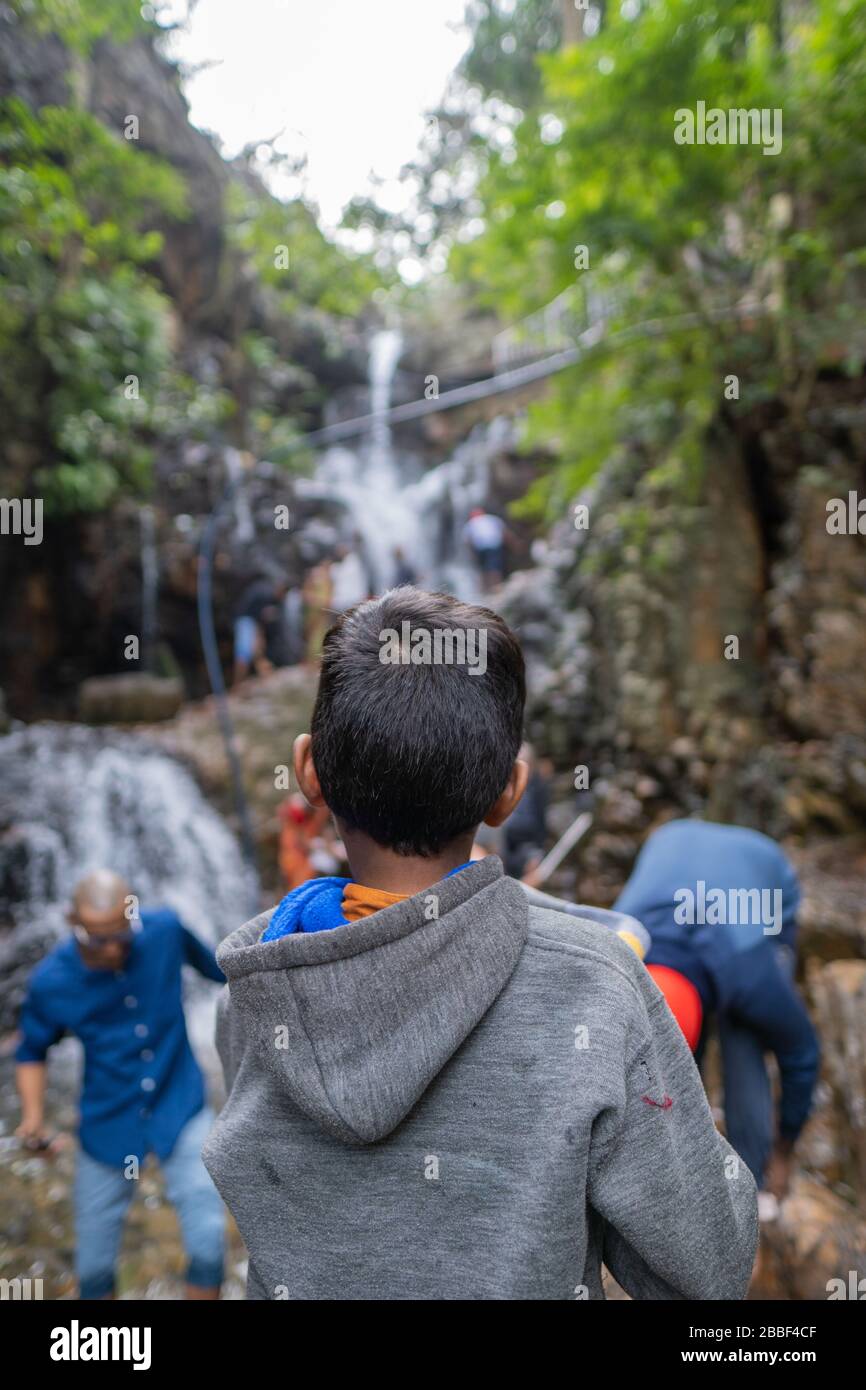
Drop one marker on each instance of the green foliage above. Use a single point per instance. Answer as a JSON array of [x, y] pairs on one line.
[[79, 24], [497, 78], [116, 393], [272, 434], [78, 193], [95, 326], [684, 230], [93, 387], [304, 277], [318, 274], [78, 313], [505, 46]]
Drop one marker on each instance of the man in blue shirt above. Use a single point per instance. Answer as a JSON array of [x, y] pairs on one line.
[[116, 985], [720, 903]]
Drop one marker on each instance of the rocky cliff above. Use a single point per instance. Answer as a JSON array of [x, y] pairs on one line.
[[68, 603], [641, 681]]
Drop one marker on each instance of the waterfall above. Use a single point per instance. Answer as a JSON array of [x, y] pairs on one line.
[[74, 799], [390, 500], [245, 530], [385, 351]]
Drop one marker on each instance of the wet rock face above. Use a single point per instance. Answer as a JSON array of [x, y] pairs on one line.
[[116, 81], [833, 907], [131, 78], [816, 599], [710, 658], [680, 575], [67, 605], [838, 990]]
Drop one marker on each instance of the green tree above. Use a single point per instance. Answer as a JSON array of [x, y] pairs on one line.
[[684, 230], [79, 314], [495, 82]]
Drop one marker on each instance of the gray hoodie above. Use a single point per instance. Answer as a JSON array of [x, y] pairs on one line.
[[465, 1096]]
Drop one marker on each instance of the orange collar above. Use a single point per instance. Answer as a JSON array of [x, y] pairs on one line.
[[360, 901]]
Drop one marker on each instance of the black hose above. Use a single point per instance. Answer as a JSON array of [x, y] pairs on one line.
[[213, 665]]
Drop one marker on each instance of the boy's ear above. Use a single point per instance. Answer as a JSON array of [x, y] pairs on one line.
[[305, 770], [514, 789]]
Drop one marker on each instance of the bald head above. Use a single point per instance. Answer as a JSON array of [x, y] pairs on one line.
[[98, 917], [100, 899]]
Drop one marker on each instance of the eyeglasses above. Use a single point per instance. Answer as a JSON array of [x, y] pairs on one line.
[[117, 938]]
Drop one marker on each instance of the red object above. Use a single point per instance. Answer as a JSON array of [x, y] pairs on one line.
[[294, 809], [683, 1001]]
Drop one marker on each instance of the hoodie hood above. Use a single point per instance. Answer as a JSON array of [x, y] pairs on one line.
[[355, 1023]]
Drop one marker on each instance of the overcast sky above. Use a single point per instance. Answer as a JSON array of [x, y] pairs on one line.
[[346, 80]]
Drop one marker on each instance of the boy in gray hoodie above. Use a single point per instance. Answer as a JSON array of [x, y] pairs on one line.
[[437, 1090]]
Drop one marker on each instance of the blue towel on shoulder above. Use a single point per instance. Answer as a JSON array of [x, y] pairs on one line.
[[315, 906]]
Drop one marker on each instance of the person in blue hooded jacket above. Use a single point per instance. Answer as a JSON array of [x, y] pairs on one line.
[[720, 903]]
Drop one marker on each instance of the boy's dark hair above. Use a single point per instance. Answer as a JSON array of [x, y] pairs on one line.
[[415, 755]]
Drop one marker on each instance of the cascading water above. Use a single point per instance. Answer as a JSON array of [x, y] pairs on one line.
[[391, 501], [245, 530], [74, 799], [385, 351]]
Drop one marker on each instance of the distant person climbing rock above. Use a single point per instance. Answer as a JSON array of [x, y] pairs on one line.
[[486, 536], [349, 579], [720, 903], [293, 627], [258, 620], [318, 614], [404, 572], [116, 985]]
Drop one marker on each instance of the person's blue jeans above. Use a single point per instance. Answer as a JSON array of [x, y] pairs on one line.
[[246, 638], [491, 559], [749, 1113], [102, 1198]]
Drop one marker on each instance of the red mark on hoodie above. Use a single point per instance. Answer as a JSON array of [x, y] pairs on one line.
[[661, 1104]]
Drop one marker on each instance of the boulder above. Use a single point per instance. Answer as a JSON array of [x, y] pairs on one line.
[[133, 698], [812, 1249]]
